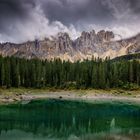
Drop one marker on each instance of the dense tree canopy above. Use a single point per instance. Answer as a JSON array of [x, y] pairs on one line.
[[96, 73]]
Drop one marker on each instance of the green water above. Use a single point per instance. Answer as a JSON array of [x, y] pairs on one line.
[[69, 120]]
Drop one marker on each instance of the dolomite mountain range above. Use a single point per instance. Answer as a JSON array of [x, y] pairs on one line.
[[90, 44]]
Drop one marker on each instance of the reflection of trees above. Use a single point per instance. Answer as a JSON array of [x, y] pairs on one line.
[[53, 118]]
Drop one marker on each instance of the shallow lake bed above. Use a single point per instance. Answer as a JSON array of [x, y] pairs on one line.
[[54, 119]]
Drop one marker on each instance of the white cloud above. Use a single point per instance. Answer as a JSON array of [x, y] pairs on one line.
[[125, 31], [121, 31], [126, 24], [38, 27]]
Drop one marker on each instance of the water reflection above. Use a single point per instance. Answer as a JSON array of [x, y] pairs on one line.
[[67, 120], [112, 124]]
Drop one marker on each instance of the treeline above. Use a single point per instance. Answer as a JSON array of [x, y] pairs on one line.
[[16, 72], [127, 57]]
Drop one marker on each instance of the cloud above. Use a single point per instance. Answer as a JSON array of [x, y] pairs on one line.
[[22, 20], [76, 12], [126, 22], [37, 27]]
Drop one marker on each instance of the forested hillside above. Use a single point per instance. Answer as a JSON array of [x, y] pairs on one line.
[[128, 57], [15, 72]]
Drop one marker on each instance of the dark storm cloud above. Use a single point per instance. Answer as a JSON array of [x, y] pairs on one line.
[[89, 11], [23, 19], [12, 11], [135, 5], [15, 8], [70, 11], [11, 7]]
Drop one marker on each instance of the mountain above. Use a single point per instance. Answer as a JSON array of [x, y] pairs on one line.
[[101, 44]]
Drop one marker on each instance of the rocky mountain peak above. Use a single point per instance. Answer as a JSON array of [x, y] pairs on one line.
[[105, 35], [64, 36], [89, 44]]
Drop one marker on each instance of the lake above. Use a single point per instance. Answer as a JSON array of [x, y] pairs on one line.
[[69, 120]]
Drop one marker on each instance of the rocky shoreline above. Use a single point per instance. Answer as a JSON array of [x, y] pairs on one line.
[[71, 95]]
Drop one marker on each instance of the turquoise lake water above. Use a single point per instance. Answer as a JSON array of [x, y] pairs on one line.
[[69, 120]]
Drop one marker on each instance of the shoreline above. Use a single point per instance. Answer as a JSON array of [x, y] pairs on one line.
[[8, 96]]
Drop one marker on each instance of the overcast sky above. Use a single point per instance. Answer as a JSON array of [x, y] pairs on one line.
[[22, 20]]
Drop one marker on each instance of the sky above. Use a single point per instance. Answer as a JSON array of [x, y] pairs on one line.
[[23, 20]]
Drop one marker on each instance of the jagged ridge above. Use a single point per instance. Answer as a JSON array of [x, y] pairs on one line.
[[89, 44]]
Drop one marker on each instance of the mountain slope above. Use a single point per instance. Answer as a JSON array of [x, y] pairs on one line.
[[89, 44]]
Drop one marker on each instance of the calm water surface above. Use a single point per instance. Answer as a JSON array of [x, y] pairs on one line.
[[69, 120]]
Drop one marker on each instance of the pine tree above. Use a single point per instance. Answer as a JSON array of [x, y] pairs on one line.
[[94, 77], [7, 74], [2, 74], [15, 72]]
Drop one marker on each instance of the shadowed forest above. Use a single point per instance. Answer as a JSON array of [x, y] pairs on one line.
[[95, 73]]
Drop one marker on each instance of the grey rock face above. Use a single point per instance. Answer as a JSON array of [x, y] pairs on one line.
[[89, 44]]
